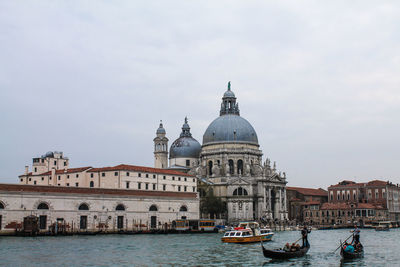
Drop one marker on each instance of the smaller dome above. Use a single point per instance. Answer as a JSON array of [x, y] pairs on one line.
[[185, 146], [160, 129]]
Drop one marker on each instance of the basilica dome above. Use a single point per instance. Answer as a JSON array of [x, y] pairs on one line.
[[185, 146], [229, 126]]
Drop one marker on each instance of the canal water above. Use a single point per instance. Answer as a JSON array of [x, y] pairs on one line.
[[381, 249]]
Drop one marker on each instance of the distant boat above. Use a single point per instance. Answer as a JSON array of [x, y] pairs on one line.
[[247, 232], [383, 226]]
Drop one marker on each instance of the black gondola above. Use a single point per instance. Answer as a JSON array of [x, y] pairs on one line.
[[281, 254], [352, 255]]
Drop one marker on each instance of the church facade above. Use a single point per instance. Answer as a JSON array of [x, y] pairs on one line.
[[229, 165]]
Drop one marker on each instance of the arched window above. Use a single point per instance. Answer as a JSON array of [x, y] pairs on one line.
[[120, 207], [43, 206], [1, 206], [83, 206], [240, 166], [153, 208], [91, 184], [183, 208], [240, 192], [231, 170], [210, 165]]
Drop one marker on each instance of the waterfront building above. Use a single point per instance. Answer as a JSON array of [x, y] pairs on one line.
[[93, 209], [300, 199], [122, 176], [229, 166], [362, 203]]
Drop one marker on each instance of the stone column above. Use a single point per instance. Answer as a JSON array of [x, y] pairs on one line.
[[265, 197]]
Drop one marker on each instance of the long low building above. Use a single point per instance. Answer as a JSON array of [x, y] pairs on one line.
[[92, 209]]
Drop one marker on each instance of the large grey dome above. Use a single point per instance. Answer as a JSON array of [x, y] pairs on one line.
[[185, 146], [230, 128]]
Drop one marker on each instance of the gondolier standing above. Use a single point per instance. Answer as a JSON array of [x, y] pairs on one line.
[[304, 234], [356, 235]]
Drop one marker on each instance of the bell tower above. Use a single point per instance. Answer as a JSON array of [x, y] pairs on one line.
[[160, 148]]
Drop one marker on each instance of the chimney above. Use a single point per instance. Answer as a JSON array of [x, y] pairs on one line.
[[26, 170]]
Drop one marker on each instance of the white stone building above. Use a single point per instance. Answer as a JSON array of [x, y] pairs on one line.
[[92, 209], [229, 163]]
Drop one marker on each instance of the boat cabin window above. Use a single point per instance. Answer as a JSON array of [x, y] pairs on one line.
[[238, 234], [226, 234], [246, 234], [232, 234]]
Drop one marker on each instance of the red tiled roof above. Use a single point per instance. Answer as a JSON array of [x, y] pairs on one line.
[[335, 206], [124, 167], [92, 191], [377, 183], [309, 191]]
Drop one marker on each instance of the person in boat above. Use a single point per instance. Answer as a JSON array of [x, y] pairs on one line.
[[286, 247], [348, 248], [304, 234], [356, 235], [358, 247]]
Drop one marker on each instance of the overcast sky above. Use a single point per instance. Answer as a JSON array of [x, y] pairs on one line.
[[318, 80]]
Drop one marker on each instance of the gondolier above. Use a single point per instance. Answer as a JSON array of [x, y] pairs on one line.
[[356, 235], [304, 235]]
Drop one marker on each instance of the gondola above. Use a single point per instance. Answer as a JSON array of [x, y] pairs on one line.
[[281, 254], [351, 255]]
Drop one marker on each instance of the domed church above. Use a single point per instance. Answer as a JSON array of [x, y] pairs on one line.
[[229, 165]]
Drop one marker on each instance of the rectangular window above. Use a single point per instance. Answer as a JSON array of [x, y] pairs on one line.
[[120, 222], [179, 188], [185, 179], [154, 186], [187, 163], [115, 173], [35, 169], [164, 177], [34, 182], [194, 189], [179, 178], [139, 185], [83, 222], [185, 188], [42, 178], [91, 175], [173, 178], [127, 174], [140, 175], [59, 184], [194, 180], [103, 174], [77, 175], [164, 187], [147, 175], [127, 185], [30, 179], [76, 184], [59, 177], [147, 186], [42, 222], [67, 184], [55, 163], [65, 163], [67, 176], [154, 176]]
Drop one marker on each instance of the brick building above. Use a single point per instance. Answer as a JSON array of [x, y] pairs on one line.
[[300, 199]]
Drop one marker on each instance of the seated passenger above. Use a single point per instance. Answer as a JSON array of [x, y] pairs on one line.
[[349, 248], [286, 247]]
